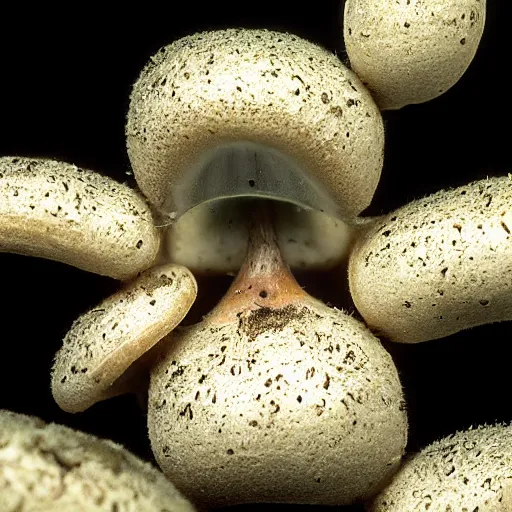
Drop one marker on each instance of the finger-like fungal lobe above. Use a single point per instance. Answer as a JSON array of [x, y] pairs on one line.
[[103, 343], [411, 51], [470, 470], [58, 211], [48, 467], [437, 265], [254, 113], [275, 397]]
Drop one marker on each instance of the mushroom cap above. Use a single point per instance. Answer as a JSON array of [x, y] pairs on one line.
[[58, 211], [103, 343], [411, 52], [213, 238], [48, 467], [253, 112], [470, 470], [437, 265], [299, 404]]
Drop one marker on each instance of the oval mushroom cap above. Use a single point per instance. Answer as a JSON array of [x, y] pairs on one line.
[[48, 467], [437, 265], [58, 211], [103, 343], [252, 112], [298, 404], [411, 52], [469, 470]]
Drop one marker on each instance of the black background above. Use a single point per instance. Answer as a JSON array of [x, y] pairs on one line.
[[65, 79]]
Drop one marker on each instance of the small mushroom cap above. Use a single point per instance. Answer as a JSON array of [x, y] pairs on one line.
[[48, 467], [58, 211], [469, 470], [437, 265], [300, 404], [411, 52], [103, 343], [213, 238], [291, 115]]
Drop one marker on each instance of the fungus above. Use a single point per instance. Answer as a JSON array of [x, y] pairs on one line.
[[469, 470], [253, 113], [411, 52], [437, 265], [275, 389], [58, 211], [51, 467]]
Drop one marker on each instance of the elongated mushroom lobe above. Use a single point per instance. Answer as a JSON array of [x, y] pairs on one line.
[[411, 51], [58, 211], [275, 397], [103, 343], [470, 470], [437, 265], [48, 467]]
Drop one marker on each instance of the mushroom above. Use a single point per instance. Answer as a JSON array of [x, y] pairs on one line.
[[253, 113], [48, 467], [275, 397], [437, 265], [469, 470], [411, 51]]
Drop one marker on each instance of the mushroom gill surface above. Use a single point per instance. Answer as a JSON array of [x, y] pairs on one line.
[[411, 51], [437, 265], [58, 211], [52, 468], [275, 397], [103, 343], [469, 470]]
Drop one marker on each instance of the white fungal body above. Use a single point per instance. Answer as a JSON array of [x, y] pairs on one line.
[[411, 51], [469, 470], [57, 211], [48, 467], [275, 397], [103, 343], [437, 265]]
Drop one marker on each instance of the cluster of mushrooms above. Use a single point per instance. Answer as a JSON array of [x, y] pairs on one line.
[[254, 153]]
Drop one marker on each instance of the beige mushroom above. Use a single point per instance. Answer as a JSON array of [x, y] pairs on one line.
[[437, 265], [469, 470], [275, 397], [253, 113], [58, 211], [411, 51], [102, 344], [48, 467]]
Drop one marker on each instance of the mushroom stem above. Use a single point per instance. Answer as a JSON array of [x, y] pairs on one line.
[[264, 280]]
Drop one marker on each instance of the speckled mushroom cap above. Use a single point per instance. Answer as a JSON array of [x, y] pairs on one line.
[[58, 211], [469, 470], [102, 344], [253, 113], [437, 265], [411, 51], [52, 468]]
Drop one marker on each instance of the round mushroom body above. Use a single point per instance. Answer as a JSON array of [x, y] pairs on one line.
[[275, 397], [469, 470], [48, 467], [411, 51], [58, 211], [253, 113], [437, 265]]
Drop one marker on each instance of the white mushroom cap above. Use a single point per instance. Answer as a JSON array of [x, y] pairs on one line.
[[437, 265], [58, 211], [254, 113], [469, 470], [103, 343], [411, 51], [48, 467]]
